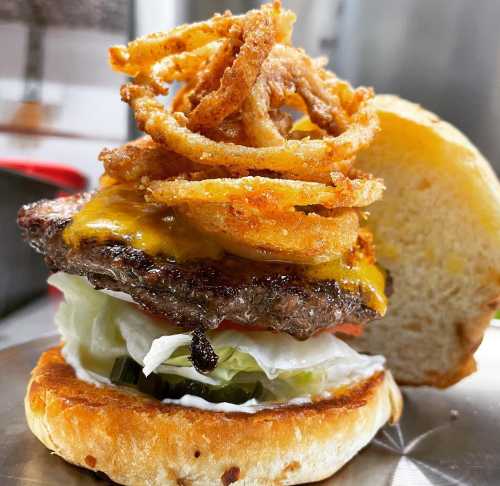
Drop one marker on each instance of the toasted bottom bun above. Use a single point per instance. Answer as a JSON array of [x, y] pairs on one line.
[[138, 440]]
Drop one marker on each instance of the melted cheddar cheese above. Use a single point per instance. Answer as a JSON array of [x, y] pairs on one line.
[[361, 274], [119, 212]]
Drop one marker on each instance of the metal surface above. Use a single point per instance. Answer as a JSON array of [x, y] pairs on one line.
[[445, 438]]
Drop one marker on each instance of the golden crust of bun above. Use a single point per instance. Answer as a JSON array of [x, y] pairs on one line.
[[138, 440]]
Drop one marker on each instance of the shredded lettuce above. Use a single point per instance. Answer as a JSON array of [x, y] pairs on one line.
[[98, 328]]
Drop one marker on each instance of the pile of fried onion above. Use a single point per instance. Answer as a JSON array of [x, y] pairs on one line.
[[258, 145]]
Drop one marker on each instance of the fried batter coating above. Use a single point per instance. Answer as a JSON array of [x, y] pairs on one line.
[[227, 153], [263, 192]]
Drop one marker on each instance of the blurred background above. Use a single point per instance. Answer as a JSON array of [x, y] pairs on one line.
[[59, 100]]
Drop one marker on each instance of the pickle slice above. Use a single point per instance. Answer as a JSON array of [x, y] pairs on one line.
[[125, 372]]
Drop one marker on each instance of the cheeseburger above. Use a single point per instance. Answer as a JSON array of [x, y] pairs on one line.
[[213, 280]]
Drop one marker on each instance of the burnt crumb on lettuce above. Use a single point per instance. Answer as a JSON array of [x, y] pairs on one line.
[[203, 356]]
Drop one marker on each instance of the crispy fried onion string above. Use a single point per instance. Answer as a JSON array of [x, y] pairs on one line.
[[237, 80], [139, 55], [228, 155], [178, 67], [210, 76], [145, 159], [279, 235], [263, 192], [298, 157], [288, 71]]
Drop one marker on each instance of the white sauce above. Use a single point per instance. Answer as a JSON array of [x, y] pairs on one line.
[[251, 406]]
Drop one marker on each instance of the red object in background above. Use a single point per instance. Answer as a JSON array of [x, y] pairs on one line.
[[67, 178]]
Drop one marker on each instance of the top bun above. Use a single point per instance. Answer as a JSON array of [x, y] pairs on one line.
[[437, 230]]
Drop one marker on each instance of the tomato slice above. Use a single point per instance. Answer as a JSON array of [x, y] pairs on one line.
[[348, 328]]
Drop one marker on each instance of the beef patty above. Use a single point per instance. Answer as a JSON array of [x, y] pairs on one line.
[[197, 293]]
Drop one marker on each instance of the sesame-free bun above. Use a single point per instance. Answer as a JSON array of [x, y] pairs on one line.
[[437, 231], [137, 440]]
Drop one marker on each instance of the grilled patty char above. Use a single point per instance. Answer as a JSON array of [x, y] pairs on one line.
[[198, 293]]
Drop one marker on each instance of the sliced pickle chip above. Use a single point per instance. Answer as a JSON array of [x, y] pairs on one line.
[[187, 387], [152, 385], [237, 394], [125, 372]]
